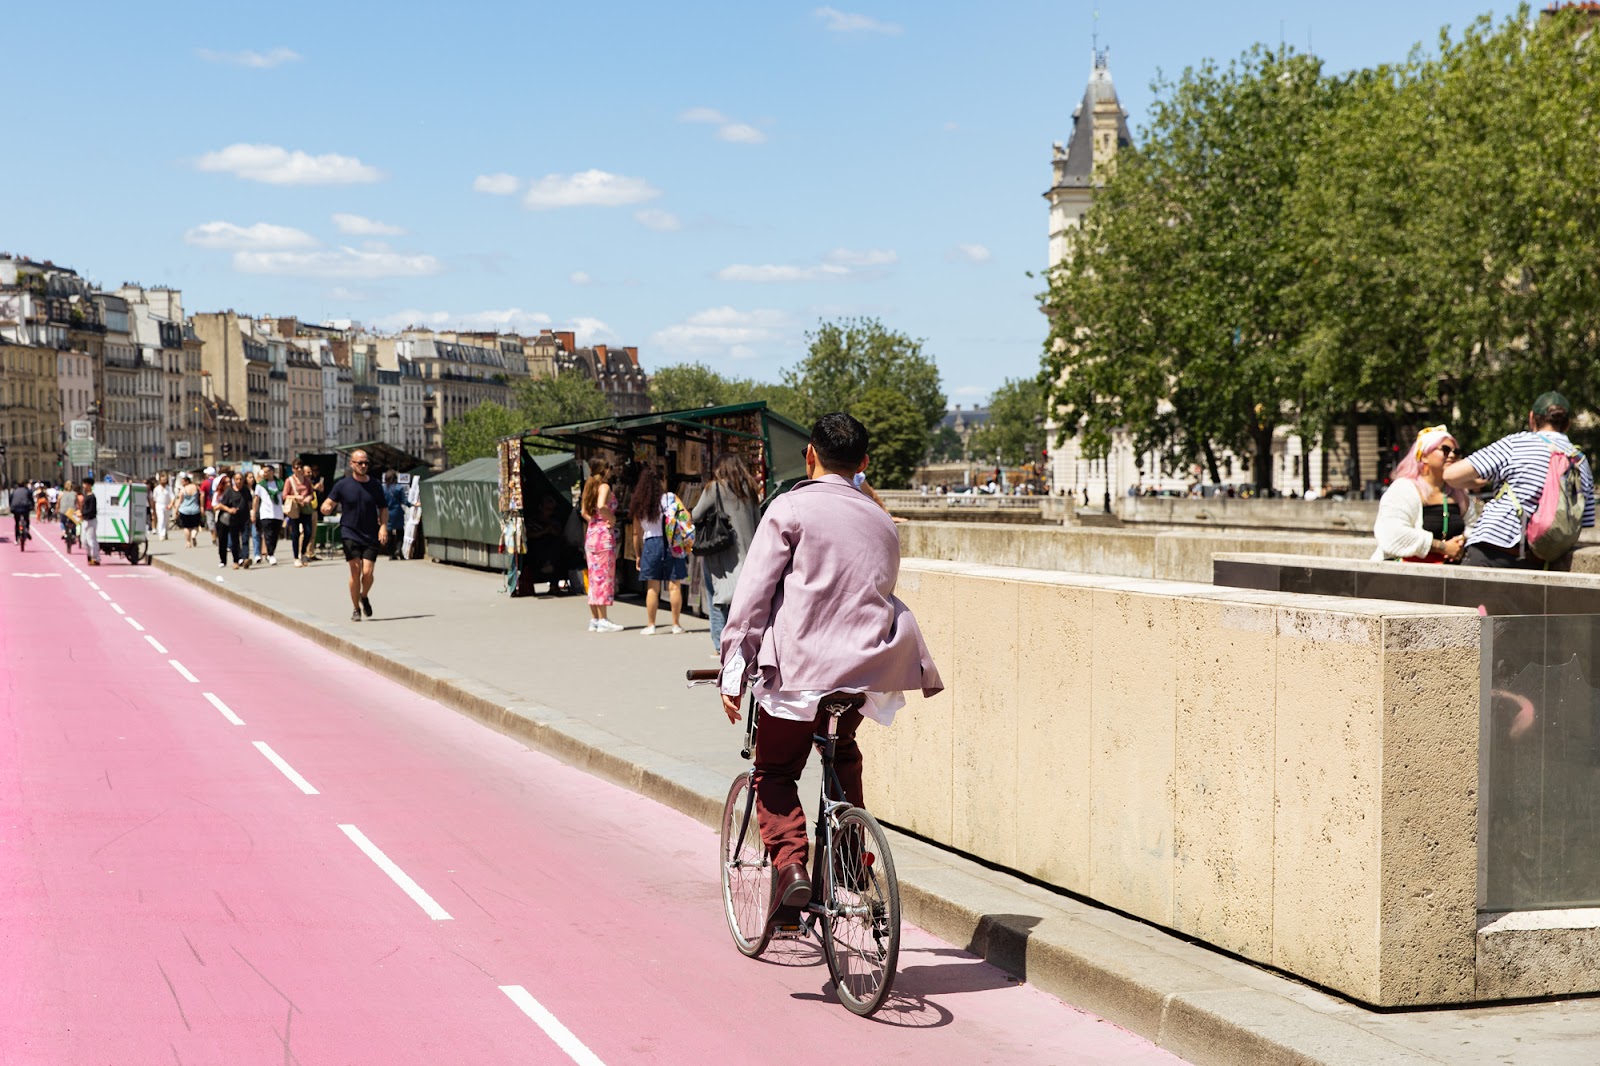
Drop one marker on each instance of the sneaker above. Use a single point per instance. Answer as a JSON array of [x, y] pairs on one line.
[[297, 562], [366, 607], [676, 630], [220, 566], [594, 625], [272, 560], [648, 631], [606, 625], [355, 616]]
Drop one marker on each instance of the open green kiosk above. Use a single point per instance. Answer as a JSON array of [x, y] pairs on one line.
[[684, 445]]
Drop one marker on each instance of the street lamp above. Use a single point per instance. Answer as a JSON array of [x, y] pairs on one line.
[[366, 419], [394, 426]]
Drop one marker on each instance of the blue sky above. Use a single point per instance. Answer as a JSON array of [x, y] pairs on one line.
[[703, 180]]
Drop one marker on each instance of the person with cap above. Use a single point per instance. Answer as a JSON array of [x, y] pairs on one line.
[[1516, 465]]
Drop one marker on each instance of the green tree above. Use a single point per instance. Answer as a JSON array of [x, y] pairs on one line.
[[1174, 318], [849, 357], [946, 447], [1015, 429], [676, 388], [557, 400], [475, 433], [899, 436]]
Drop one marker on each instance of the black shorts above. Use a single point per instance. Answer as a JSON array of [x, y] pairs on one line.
[[354, 551]]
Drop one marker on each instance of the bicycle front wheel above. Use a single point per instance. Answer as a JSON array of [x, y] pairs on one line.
[[746, 871], [861, 919]]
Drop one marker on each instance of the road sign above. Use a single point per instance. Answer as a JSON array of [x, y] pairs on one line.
[[80, 452], [107, 453], [79, 429]]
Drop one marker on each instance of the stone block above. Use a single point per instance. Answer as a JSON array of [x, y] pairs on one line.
[[1223, 842], [1538, 953], [1430, 809], [984, 815], [908, 767], [1132, 747], [1328, 777], [1054, 668]]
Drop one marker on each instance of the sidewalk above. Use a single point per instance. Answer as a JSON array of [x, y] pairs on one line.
[[615, 705]]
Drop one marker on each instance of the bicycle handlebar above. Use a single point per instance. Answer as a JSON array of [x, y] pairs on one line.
[[692, 676]]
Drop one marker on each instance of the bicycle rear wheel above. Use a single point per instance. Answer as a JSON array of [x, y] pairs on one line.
[[861, 922], [746, 871]]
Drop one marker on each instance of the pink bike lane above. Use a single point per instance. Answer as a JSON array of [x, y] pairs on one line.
[[291, 857]]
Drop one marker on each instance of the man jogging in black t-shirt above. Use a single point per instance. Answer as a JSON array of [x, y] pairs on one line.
[[363, 527]]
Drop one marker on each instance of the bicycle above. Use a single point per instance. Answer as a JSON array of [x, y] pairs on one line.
[[69, 532], [855, 905], [20, 520]]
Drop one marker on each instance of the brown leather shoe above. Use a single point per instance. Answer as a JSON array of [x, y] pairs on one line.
[[791, 887]]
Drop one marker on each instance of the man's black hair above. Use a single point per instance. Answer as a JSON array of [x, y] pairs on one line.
[[840, 441]]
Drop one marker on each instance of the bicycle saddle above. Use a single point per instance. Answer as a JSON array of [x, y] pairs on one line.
[[842, 703]]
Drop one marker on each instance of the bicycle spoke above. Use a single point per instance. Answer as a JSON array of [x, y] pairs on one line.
[[862, 935], [746, 871]]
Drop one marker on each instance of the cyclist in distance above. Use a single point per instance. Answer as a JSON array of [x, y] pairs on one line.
[[21, 508], [815, 613]]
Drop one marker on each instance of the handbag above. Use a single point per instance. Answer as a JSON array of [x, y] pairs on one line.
[[714, 533]]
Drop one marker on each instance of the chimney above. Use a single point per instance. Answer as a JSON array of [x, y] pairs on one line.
[[569, 340], [633, 355], [600, 353]]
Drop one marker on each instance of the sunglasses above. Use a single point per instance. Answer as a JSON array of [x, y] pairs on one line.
[[1446, 450], [358, 462]]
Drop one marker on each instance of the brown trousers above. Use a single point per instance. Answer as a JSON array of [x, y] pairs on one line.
[[782, 748]]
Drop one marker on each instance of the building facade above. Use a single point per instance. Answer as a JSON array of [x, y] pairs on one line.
[[30, 402]]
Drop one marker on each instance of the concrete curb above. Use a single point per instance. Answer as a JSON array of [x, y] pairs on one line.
[[1202, 1006]]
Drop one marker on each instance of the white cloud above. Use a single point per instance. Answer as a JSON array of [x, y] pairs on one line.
[[978, 391], [768, 272], [844, 22], [276, 165], [739, 133], [727, 332], [509, 320], [730, 130], [870, 257], [968, 253], [340, 292], [370, 262], [261, 236], [249, 58], [588, 188], [497, 184], [357, 226], [580, 277], [841, 264], [657, 219], [399, 320], [590, 330]]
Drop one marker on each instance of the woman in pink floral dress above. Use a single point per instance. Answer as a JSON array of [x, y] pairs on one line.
[[600, 544]]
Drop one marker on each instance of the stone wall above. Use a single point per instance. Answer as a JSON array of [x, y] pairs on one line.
[[1170, 555], [1292, 778]]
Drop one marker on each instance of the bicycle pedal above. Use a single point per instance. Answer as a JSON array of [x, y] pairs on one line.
[[789, 932]]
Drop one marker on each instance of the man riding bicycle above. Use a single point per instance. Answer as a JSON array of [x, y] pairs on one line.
[[21, 508], [815, 612]]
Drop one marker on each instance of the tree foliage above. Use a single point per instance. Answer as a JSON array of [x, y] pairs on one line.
[[686, 385], [1014, 431], [1415, 242], [844, 359], [898, 434], [546, 401]]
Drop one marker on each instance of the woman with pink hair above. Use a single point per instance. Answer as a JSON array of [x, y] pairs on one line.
[[1420, 518]]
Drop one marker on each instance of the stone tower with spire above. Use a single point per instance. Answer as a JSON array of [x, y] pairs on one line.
[[1099, 128]]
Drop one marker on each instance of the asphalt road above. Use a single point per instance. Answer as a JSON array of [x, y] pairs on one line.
[[222, 844]]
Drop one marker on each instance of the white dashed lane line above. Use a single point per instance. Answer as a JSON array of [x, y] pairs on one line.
[[187, 676], [156, 644], [288, 771], [129, 619], [211, 697], [119, 610], [397, 875], [575, 1048]]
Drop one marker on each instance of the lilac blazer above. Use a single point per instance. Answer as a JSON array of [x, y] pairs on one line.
[[815, 608]]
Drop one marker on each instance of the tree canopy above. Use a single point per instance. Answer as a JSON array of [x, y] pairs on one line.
[[1013, 431], [546, 401], [1417, 242]]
